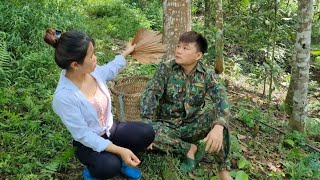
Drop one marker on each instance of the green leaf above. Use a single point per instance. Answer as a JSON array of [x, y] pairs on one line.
[[289, 142], [318, 59], [241, 175], [316, 53], [214, 178], [266, 66], [235, 145], [243, 163], [245, 2], [276, 82], [267, 22]]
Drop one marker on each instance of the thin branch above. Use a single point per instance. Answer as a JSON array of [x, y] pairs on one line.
[[282, 132]]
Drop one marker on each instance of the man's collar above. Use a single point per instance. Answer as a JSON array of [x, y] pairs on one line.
[[199, 66]]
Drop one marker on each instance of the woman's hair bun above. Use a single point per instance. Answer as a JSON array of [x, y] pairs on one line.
[[50, 37]]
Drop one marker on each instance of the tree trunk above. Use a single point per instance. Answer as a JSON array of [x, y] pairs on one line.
[[208, 14], [176, 20], [219, 64], [301, 67], [289, 97]]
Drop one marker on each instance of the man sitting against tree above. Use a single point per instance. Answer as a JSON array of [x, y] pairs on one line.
[[186, 104]]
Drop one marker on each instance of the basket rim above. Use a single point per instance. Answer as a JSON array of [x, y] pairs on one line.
[[126, 79]]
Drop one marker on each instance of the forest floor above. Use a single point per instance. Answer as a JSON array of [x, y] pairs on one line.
[[261, 148]]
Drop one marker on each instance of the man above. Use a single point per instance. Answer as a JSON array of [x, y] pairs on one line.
[[187, 106]]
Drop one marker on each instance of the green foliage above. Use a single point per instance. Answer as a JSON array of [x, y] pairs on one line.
[[25, 122], [249, 114], [31, 20], [289, 142], [306, 167], [34, 144], [152, 9], [140, 69], [315, 62], [61, 160], [161, 166], [117, 19], [296, 136], [233, 68], [251, 29], [241, 175], [6, 62], [244, 164], [312, 126], [235, 145], [316, 53]]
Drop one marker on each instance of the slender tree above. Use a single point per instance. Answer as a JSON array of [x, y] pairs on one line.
[[298, 89], [219, 63], [177, 20], [208, 13]]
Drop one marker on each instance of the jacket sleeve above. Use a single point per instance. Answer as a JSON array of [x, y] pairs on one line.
[[220, 104], [111, 69], [153, 93], [69, 112]]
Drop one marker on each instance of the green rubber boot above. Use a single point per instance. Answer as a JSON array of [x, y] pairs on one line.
[[189, 164]]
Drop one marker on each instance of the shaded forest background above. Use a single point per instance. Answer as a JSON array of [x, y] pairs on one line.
[[34, 144]]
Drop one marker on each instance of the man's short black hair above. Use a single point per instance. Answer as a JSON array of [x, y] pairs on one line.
[[192, 36]]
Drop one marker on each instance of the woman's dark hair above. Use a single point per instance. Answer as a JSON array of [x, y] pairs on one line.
[[71, 46], [192, 36]]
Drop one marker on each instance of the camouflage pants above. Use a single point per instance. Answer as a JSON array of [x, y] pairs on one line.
[[178, 140]]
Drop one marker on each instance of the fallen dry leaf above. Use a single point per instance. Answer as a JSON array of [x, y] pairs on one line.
[[243, 148], [192, 176], [275, 168], [272, 167], [240, 137]]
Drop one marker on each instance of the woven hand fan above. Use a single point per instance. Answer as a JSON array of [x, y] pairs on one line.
[[149, 48]]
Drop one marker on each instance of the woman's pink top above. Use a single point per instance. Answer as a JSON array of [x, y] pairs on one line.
[[100, 102]]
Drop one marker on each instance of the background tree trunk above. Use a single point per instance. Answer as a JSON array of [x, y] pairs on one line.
[[301, 65], [219, 63], [176, 20], [208, 14], [289, 97]]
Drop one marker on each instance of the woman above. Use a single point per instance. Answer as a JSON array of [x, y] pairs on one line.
[[83, 103]]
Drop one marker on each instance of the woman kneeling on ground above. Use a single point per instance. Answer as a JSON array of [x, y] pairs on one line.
[[82, 100]]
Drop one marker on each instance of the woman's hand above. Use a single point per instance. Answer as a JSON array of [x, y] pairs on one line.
[[214, 139], [129, 49], [128, 157], [126, 154]]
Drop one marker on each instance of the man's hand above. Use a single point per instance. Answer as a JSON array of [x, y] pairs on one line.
[[128, 157], [214, 139], [150, 147]]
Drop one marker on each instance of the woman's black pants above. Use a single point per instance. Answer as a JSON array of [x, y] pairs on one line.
[[136, 136]]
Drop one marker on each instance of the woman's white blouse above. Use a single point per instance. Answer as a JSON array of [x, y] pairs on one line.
[[76, 112]]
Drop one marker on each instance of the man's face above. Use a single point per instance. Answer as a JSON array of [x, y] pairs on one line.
[[187, 54]]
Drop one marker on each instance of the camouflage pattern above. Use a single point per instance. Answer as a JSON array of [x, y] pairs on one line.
[[183, 109]]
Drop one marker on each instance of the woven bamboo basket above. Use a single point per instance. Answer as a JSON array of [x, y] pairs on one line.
[[126, 93]]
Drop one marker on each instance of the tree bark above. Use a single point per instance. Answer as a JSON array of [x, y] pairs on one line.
[[289, 97], [301, 64], [176, 20], [208, 13], [219, 63]]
